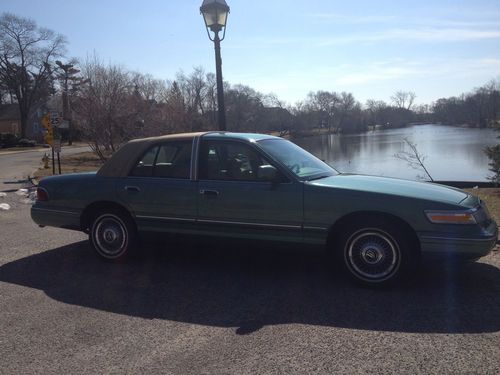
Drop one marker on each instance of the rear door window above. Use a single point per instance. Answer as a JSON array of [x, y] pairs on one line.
[[168, 160], [144, 168], [173, 160]]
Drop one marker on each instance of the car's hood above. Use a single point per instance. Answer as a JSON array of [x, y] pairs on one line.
[[394, 186]]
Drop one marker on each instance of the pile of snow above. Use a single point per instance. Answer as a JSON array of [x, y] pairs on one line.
[[2, 195], [22, 192], [4, 207], [28, 196], [29, 200]]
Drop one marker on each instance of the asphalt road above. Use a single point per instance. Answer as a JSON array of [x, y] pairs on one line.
[[205, 308], [18, 165]]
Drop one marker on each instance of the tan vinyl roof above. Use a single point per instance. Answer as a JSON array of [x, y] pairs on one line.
[[125, 158]]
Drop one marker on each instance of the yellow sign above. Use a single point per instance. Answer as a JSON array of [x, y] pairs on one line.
[[46, 121], [49, 139]]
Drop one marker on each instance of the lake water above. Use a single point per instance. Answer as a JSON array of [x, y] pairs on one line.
[[452, 153]]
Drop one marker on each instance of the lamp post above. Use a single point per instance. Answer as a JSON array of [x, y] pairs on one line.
[[215, 14]]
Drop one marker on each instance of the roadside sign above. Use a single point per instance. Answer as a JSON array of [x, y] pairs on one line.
[[49, 136], [56, 145], [55, 119]]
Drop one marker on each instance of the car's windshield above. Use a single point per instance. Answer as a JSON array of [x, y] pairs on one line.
[[297, 160]]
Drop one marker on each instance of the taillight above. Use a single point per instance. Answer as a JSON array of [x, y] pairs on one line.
[[42, 195]]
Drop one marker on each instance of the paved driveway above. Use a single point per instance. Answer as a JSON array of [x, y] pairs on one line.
[[212, 307]]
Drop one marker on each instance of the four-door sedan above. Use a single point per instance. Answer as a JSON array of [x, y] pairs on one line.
[[263, 187]]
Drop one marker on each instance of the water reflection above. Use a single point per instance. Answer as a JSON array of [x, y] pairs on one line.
[[452, 153]]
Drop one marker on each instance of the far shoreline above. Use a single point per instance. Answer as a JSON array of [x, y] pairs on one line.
[[324, 131]]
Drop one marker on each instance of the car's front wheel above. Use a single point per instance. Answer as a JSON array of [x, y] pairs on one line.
[[113, 235], [376, 255]]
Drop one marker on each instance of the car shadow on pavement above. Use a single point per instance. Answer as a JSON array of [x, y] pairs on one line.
[[211, 283]]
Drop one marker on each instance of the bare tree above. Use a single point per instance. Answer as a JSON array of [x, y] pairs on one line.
[[404, 99], [304, 116], [325, 102], [175, 108], [375, 111], [413, 157], [244, 108], [147, 87], [26, 56], [106, 106], [480, 108], [346, 105], [282, 116], [211, 100], [194, 88]]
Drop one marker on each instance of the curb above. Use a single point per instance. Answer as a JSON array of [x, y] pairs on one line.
[[23, 151]]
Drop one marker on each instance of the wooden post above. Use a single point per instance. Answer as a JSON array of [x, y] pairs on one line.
[[53, 162]]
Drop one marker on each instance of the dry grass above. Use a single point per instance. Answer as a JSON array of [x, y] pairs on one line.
[[492, 198]]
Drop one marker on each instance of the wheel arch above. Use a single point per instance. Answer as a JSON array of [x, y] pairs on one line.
[[92, 209], [376, 216]]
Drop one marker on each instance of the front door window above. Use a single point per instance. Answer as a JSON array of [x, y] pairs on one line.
[[229, 161]]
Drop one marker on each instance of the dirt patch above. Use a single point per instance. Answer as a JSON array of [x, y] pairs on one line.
[[82, 162]]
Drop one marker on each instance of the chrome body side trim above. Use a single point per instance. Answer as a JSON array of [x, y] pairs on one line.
[[166, 218], [319, 229], [456, 239], [250, 224]]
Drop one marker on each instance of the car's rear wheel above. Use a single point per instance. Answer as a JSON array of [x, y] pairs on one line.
[[113, 235], [376, 254]]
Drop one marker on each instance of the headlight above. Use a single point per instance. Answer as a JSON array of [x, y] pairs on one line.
[[451, 217]]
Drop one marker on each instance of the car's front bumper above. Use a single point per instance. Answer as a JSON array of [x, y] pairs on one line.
[[455, 246]]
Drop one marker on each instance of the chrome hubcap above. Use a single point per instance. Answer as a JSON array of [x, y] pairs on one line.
[[372, 255], [110, 235]]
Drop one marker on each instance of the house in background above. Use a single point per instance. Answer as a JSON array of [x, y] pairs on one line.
[[10, 119]]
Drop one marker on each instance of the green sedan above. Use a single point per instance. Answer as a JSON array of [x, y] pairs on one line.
[[263, 187]]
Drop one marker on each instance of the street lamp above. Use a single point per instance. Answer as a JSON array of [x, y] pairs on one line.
[[215, 14]]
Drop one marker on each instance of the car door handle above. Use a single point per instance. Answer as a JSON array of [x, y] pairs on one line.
[[209, 193], [133, 189]]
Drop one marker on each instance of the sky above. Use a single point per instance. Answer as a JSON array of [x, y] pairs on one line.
[[435, 48]]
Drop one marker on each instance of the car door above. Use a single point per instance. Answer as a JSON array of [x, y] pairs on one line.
[[234, 201], [159, 189]]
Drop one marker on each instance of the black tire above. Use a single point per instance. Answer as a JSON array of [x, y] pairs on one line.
[[113, 235], [376, 254]]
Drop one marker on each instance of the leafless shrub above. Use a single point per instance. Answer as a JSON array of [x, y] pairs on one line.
[[413, 158]]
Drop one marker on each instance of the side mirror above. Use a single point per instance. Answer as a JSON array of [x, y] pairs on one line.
[[267, 173]]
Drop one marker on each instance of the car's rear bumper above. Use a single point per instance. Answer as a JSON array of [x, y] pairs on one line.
[[454, 246], [55, 218]]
